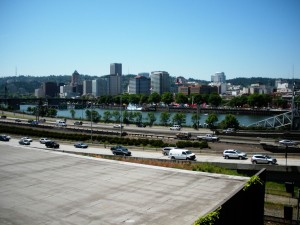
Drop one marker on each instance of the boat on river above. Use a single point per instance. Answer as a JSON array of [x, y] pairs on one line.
[[133, 107]]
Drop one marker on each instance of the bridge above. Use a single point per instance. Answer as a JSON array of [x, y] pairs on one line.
[[289, 119]]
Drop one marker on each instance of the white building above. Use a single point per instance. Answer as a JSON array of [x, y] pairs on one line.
[[99, 87], [218, 77]]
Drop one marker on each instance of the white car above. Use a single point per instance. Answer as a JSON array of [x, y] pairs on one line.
[[44, 140], [287, 142], [175, 127], [233, 153], [263, 159], [118, 126], [27, 139]]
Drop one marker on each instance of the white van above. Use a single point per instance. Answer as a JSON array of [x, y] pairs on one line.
[[61, 123], [181, 154]]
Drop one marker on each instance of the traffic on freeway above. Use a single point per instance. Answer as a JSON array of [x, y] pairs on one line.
[[141, 152]]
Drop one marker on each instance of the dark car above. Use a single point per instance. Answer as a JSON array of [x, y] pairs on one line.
[[77, 123], [51, 144], [18, 120], [141, 125], [80, 145], [4, 137], [120, 150]]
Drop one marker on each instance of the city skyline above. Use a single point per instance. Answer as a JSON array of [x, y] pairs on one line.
[[194, 39]]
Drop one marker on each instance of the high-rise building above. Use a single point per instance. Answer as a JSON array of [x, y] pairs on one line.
[[160, 82], [87, 87], [75, 79], [144, 74], [99, 87], [50, 89], [116, 69], [139, 85], [219, 77]]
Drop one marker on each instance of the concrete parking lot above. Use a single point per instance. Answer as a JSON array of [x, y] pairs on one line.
[[39, 186]]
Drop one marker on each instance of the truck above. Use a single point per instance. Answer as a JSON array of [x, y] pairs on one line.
[[208, 137], [184, 135]]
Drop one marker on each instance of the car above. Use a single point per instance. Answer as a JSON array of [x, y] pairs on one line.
[[287, 142], [24, 142], [61, 123], [141, 125], [51, 144], [27, 139], [166, 150], [265, 159], [44, 140], [34, 122], [4, 137], [184, 135], [233, 153], [175, 127], [117, 126], [78, 123], [229, 131], [120, 150], [18, 120], [80, 145]]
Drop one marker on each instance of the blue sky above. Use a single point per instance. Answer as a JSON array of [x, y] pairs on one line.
[[190, 38]]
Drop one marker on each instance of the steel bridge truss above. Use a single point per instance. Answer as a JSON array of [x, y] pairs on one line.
[[282, 120]]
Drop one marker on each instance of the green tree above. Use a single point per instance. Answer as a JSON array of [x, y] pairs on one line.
[[134, 99], [154, 98], [212, 118], [167, 98], [107, 116], [195, 120], [92, 115], [214, 99], [72, 112], [179, 118], [181, 98], [138, 117], [116, 115], [151, 118], [143, 99], [165, 117], [51, 112], [198, 99], [230, 121]]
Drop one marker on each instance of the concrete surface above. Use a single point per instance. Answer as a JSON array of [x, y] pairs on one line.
[[38, 186]]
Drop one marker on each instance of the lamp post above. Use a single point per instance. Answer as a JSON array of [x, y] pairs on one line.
[[92, 122], [121, 116]]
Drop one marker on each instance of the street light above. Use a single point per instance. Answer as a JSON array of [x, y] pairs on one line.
[[92, 122], [121, 116]]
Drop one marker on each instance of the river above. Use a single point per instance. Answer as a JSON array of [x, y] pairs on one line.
[[244, 120]]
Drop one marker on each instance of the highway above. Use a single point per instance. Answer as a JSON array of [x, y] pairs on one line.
[[142, 152]]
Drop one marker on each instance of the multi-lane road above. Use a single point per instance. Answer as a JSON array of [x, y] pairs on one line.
[[142, 152]]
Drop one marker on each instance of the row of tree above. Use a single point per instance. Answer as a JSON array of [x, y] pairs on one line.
[[165, 118], [213, 99]]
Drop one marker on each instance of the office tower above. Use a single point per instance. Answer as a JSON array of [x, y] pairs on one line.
[[219, 77], [116, 69], [87, 87], [99, 87], [160, 82], [50, 89], [139, 85], [75, 79]]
